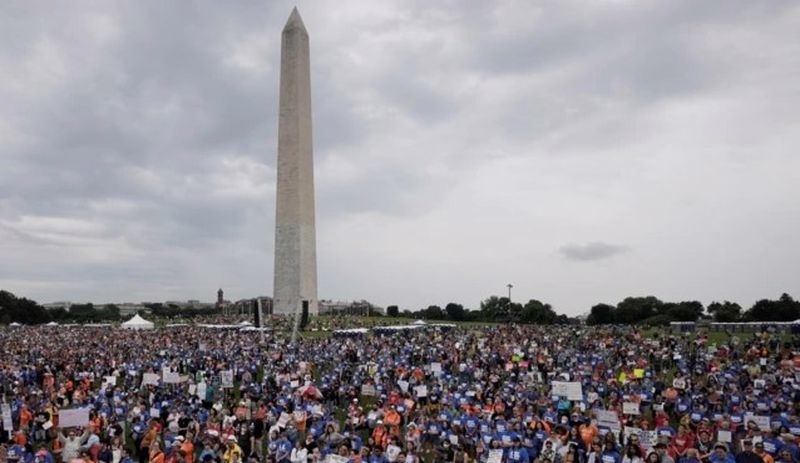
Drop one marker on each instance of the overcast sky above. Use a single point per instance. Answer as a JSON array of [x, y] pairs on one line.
[[582, 151]]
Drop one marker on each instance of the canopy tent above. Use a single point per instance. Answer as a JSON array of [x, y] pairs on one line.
[[420, 322], [52, 324], [138, 323]]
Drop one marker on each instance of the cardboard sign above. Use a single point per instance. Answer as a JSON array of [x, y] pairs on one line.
[[761, 421], [8, 424], [572, 390], [421, 391], [369, 390], [226, 377], [73, 417], [608, 419], [724, 436], [283, 420], [150, 379], [630, 408], [392, 452]]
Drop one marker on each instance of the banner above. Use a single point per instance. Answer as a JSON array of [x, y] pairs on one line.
[[73, 417], [572, 390]]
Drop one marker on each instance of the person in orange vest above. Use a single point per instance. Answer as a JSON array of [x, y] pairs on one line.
[[379, 433]]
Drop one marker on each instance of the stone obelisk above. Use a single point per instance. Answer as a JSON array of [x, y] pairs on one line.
[[295, 231]]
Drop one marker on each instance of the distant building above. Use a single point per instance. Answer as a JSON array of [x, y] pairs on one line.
[[249, 306], [333, 307], [58, 305]]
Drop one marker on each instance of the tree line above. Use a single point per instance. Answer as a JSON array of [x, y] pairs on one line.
[[23, 310], [648, 310]]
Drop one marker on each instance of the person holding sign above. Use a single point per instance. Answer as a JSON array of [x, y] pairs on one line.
[[71, 443]]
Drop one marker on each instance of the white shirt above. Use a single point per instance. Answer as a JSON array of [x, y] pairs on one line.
[[299, 455]]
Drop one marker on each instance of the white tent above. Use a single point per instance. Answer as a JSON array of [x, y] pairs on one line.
[[137, 323], [420, 322], [15, 324], [52, 324]]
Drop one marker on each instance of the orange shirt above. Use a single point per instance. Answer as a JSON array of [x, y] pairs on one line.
[[188, 449], [25, 417], [157, 458], [588, 433]]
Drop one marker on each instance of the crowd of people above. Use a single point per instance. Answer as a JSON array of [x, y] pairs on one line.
[[497, 394]]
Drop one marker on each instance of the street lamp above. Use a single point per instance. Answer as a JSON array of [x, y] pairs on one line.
[[509, 286]]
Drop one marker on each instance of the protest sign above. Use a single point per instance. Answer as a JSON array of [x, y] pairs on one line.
[[226, 377], [109, 381], [201, 391], [572, 390], [608, 419], [421, 391], [630, 408], [436, 368], [368, 390], [172, 377], [8, 424], [495, 456], [403, 385], [150, 378], [73, 417], [679, 383], [333, 458], [724, 436], [392, 451], [761, 421], [283, 420]]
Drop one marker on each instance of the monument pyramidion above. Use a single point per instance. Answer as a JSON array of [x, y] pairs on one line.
[[295, 287]]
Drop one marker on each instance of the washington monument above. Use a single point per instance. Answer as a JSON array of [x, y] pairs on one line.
[[295, 232]]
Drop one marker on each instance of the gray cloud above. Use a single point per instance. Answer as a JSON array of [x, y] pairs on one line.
[[454, 145], [592, 251]]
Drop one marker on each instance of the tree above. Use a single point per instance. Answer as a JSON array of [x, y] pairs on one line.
[[635, 309], [433, 312], [537, 312], [725, 312], [784, 309], [392, 311], [602, 314], [21, 310], [500, 309], [455, 311], [687, 311]]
